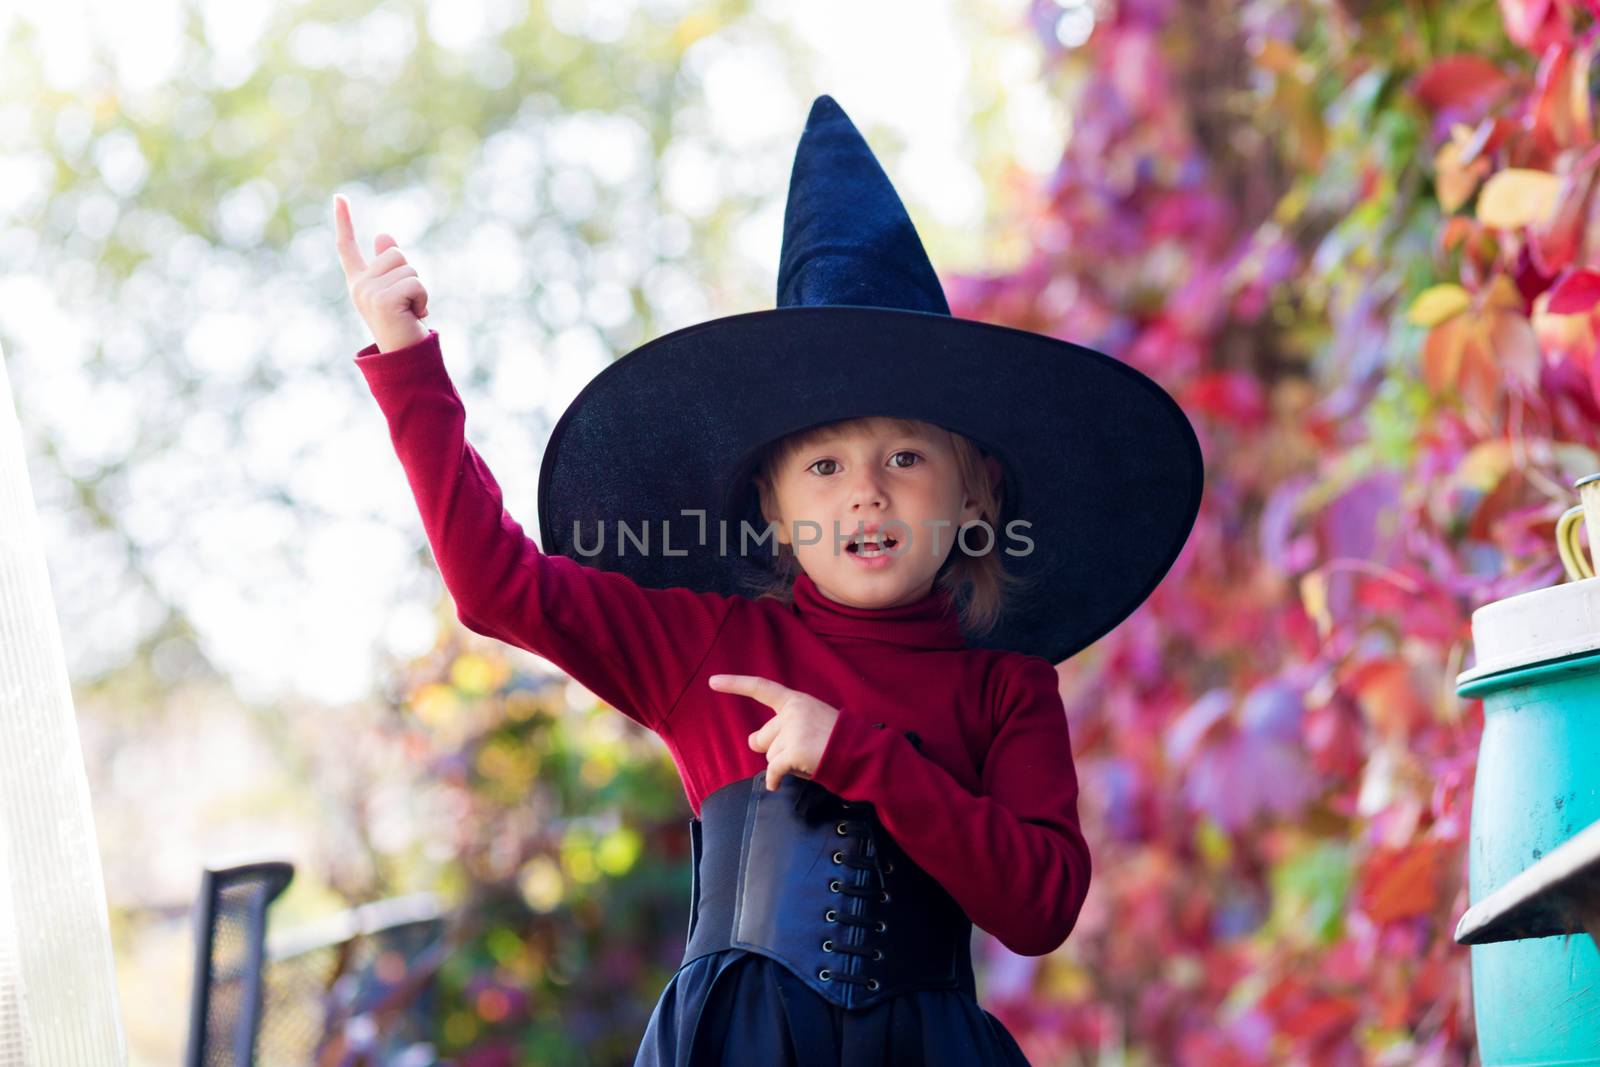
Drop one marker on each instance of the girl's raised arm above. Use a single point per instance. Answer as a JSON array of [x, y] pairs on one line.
[[634, 647]]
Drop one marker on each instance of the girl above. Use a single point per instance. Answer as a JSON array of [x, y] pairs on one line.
[[864, 708]]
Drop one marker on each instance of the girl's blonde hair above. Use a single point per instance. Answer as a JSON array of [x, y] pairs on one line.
[[980, 583]]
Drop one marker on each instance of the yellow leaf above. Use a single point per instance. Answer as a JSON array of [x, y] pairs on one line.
[[1453, 182], [1484, 465], [1518, 196], [1502, 293], [1437, 303], [1314, 597]]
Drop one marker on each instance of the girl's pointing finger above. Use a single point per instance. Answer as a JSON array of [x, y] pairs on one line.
[[763, 689], [345, 240]]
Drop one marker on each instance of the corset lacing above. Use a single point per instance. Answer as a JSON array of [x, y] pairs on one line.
[[859, 828], [815, 801]]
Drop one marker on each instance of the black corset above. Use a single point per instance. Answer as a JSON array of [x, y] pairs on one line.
[[816, 883]]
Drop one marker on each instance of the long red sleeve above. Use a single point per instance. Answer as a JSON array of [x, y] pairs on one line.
[[1014, 857], [636, 648]]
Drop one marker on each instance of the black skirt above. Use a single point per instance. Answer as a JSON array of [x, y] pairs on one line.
[[737, 1007]]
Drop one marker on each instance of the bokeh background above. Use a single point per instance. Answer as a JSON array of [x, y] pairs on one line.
[[1354, 238]]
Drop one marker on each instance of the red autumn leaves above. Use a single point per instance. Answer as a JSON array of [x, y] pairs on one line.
[[1526, 294]]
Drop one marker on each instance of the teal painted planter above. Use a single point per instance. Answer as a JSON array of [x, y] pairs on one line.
[[1537, 1001]]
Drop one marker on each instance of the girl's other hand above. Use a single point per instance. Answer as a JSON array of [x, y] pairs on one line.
[[794, 738], [386, 292]]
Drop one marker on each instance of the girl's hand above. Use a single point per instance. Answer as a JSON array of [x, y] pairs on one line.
[[794, 738], [386, 291]]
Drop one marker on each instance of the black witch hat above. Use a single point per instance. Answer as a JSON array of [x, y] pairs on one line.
[[1100, 463]]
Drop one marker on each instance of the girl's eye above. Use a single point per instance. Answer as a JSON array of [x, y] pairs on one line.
[[897, 466]]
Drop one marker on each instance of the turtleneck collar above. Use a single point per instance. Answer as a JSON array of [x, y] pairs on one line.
[[929, 623]]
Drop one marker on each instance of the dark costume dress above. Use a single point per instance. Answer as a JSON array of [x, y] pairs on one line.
[[815, 940], [735, 1006]]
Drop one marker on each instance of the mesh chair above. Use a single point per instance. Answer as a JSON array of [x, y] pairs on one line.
[[230, 937], [356, 986]]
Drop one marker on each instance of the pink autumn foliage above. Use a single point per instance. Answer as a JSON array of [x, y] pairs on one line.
[[1276, 772]]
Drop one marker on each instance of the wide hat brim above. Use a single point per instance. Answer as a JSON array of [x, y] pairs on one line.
[[1100, 462]]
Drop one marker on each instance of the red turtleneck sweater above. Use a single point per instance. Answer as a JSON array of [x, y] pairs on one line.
[[989, 804]]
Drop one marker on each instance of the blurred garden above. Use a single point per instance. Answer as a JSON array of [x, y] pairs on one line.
[[1357, 240]]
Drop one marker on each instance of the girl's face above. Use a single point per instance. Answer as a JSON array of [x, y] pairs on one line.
[[864, 474]]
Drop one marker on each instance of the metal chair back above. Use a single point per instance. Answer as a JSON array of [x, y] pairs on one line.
[[230, 939]]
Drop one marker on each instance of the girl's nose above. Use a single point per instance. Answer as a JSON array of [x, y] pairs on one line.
[[866, 491]]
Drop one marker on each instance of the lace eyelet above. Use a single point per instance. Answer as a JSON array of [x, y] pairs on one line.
[[827, 946], [883, 897], [872, 983], [877, 953], [882, 926], [839, 828], [825, 974], [829, 915], [833, 886], [888, 866], [838, 856]]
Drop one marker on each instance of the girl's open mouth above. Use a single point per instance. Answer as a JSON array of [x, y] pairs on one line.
[[870, 552], [869, 548]]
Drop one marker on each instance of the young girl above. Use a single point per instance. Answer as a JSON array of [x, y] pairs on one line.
[[864, 708]]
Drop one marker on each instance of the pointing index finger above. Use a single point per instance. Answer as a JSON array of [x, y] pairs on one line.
[[765, 690], [344, 234]]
